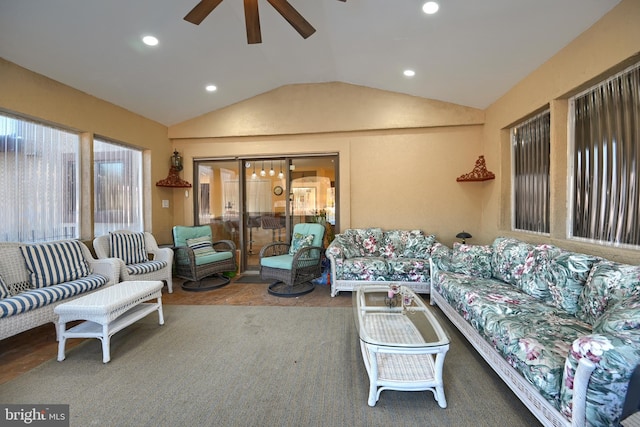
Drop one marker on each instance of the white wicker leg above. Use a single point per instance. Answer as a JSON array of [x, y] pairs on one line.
[[106, 344], [439, 391], [62, 340], [160, 312]]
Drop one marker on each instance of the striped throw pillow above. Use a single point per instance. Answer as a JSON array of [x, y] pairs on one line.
[[129, 247], [201, 246], [4, 290], [54, 263]]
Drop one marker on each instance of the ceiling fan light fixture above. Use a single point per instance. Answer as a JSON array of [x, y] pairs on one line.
[[430, 7], [211, 88], [409, 73], [150, 40]]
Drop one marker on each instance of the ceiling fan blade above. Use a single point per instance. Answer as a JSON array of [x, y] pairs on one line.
[[252, 21], [201, 11], [293, 17]]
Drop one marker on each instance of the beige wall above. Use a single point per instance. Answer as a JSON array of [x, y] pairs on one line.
[[34, 95], [608, 46], [399, 155]]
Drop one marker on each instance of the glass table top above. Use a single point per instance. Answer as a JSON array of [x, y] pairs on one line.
[[395, 316]]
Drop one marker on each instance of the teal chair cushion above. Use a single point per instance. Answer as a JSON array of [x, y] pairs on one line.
[[181, 233], [311, 228], [282, 262], [213, 257]]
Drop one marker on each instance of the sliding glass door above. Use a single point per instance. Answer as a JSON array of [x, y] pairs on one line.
[[255, 201]]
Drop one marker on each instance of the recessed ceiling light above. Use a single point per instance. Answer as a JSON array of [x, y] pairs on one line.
[[150, 40], [211, 88], [430, 7], [409, 73]]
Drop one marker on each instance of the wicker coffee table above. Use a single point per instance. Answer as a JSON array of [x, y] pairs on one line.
[[402, 343], [108, 311]]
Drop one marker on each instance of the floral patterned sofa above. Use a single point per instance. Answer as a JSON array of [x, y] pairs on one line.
[[562, 329], [370, 255]]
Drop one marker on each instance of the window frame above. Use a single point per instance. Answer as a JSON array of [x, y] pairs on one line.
[[571, 160], [514, 178]]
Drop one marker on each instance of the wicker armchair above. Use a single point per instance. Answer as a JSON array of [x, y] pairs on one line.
[[293, 273], [158, 265], [194, 263]]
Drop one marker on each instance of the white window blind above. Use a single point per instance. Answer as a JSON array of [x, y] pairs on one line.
[[606, 160], [117, 188], [531, 145], [38, 181]]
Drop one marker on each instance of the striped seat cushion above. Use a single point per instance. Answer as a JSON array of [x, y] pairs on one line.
[[201, 246], [53, 263], [129, 247], [35, 298], [146, 267]]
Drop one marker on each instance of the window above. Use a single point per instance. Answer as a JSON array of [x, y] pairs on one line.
[[117, 187], [38, 181], [606, 160], [531, 194]]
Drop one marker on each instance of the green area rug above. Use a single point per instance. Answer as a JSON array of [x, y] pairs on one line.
[[254, 366]]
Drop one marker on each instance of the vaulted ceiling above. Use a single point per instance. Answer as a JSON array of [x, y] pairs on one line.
[[469, 52]]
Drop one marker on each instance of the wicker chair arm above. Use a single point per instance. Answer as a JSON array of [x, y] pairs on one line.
[[274, 249], [305, 258], [185, 250], [162, 254], [108, 267], [224, 246]]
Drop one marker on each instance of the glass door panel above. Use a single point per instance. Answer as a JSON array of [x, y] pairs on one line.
[[218, 199], [261, 204], [266, 201], [313, 191]]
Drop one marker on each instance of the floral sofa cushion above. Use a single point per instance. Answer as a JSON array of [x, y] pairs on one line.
[[536, 347], [472, 260], [363, 268], [566, 276], [509, 261], [406, 244], [368, 240], [344, 246], [523, 265], [608, 283], [621, 318], [408, 269]]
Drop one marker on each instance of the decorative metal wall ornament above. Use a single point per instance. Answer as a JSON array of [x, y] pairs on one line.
[[479, 172]]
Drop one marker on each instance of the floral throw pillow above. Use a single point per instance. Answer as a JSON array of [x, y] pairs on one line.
[[300, 241], [566, 276], [368, 239], [418, 245], [343, 246], [201, 246], [471, 260], [620, 317], [608, 283]]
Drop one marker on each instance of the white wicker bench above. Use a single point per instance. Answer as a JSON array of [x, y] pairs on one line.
[[15, 274], [108, 311]]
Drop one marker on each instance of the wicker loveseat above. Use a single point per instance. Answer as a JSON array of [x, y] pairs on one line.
[[372, 255], [34, 281], [562, 329]]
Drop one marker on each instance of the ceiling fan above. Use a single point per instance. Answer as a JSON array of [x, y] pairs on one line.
[[252, 19]]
